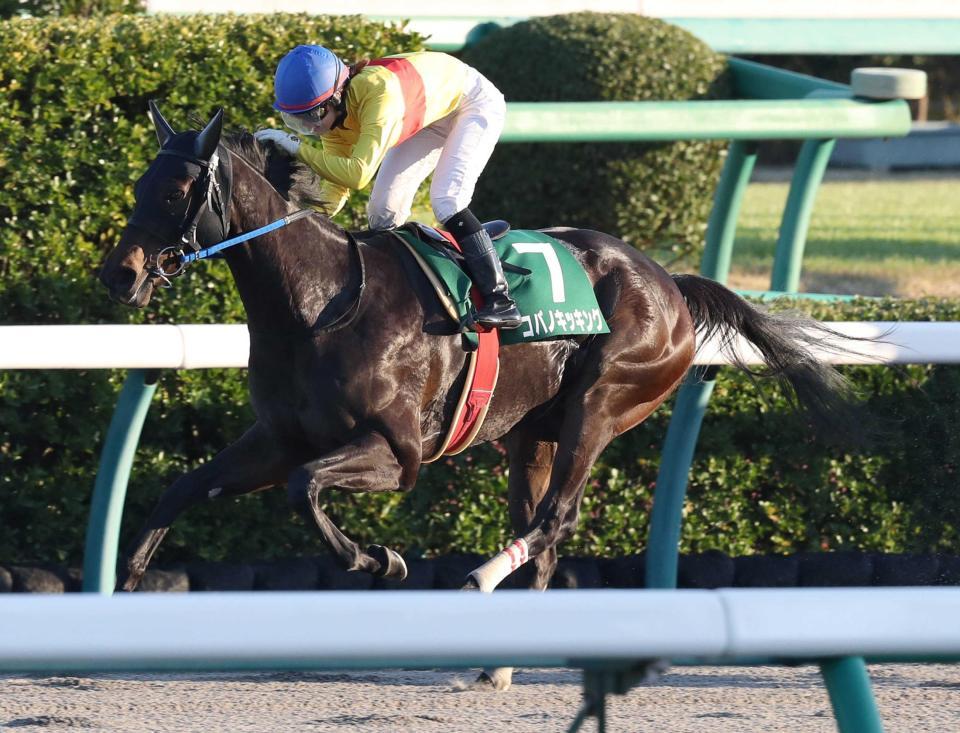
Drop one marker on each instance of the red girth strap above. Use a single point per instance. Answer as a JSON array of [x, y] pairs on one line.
[[414, 97], [485, 376]]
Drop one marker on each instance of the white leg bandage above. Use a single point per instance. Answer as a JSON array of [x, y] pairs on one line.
[[489, 575]]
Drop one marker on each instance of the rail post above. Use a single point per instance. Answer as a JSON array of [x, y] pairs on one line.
[[110, 488]]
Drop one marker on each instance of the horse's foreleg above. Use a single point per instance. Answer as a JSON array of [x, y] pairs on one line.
[[251, 463], [367, 464]]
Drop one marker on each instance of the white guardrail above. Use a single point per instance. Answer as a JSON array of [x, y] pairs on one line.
[[342, 629], [207, 346]]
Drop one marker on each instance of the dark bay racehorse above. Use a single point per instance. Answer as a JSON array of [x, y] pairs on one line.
[[352, 386]]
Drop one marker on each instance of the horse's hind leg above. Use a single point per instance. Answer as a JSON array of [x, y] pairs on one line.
[[634, 381], [531, 463], [251, 463], [582, 438], [367, 464]]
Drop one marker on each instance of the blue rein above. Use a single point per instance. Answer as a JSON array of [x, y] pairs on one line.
[[201, 254]]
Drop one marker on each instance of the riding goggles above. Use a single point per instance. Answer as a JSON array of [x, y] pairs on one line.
[[305, 123]]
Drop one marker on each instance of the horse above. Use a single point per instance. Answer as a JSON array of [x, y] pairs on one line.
[[354, 369]]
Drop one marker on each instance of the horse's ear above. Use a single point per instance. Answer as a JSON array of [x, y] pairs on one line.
[[209, 137], [164, 131]]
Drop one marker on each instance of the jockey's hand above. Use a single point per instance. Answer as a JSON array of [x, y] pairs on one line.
[[284, 141]]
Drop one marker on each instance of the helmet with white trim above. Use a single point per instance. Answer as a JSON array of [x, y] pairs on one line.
[[307, 77]]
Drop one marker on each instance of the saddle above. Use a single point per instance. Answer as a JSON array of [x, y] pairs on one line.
[[546, 280], [554, 294], [497, 229]]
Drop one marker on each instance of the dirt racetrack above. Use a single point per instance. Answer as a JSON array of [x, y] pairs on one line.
[[701, 699]]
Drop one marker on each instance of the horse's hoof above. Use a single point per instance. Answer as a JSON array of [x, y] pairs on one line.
[[127, 582], [391, 564], [470, 584], [498, 679]]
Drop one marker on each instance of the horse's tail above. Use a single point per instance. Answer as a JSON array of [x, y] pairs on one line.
[[783, 341]]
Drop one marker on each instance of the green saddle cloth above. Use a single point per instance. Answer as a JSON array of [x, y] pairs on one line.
[[556, 299]]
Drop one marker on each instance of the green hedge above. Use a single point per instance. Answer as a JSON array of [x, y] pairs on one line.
[[651, 195], [82, 8], [74, 136], [761, 482]]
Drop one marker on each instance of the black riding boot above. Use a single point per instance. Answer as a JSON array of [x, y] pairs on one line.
[[483, 266]]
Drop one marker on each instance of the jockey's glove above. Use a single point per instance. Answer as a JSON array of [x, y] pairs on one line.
[[284, 141]]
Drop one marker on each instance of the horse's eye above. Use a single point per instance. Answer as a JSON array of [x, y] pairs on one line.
[[174, 196]]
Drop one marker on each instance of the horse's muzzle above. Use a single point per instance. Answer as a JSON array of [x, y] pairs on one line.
[[127, 287]]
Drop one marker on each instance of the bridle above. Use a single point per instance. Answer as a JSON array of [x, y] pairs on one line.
[[214, 201]]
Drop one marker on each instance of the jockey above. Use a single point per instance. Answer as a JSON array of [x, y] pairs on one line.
[[408, 115]]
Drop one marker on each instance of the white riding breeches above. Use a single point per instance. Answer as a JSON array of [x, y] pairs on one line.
[[456, 147]]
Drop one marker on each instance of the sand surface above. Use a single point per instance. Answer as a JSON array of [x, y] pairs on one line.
[[701, 699]]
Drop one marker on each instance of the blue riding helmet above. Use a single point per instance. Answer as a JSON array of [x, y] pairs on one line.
[[306, 78]]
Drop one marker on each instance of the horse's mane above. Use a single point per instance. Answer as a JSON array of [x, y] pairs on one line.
[[292, 179]]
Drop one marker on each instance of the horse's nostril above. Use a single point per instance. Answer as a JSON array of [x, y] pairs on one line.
[[121, 280]]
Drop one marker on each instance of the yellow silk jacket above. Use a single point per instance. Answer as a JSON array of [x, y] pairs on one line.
[[388, 101]]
